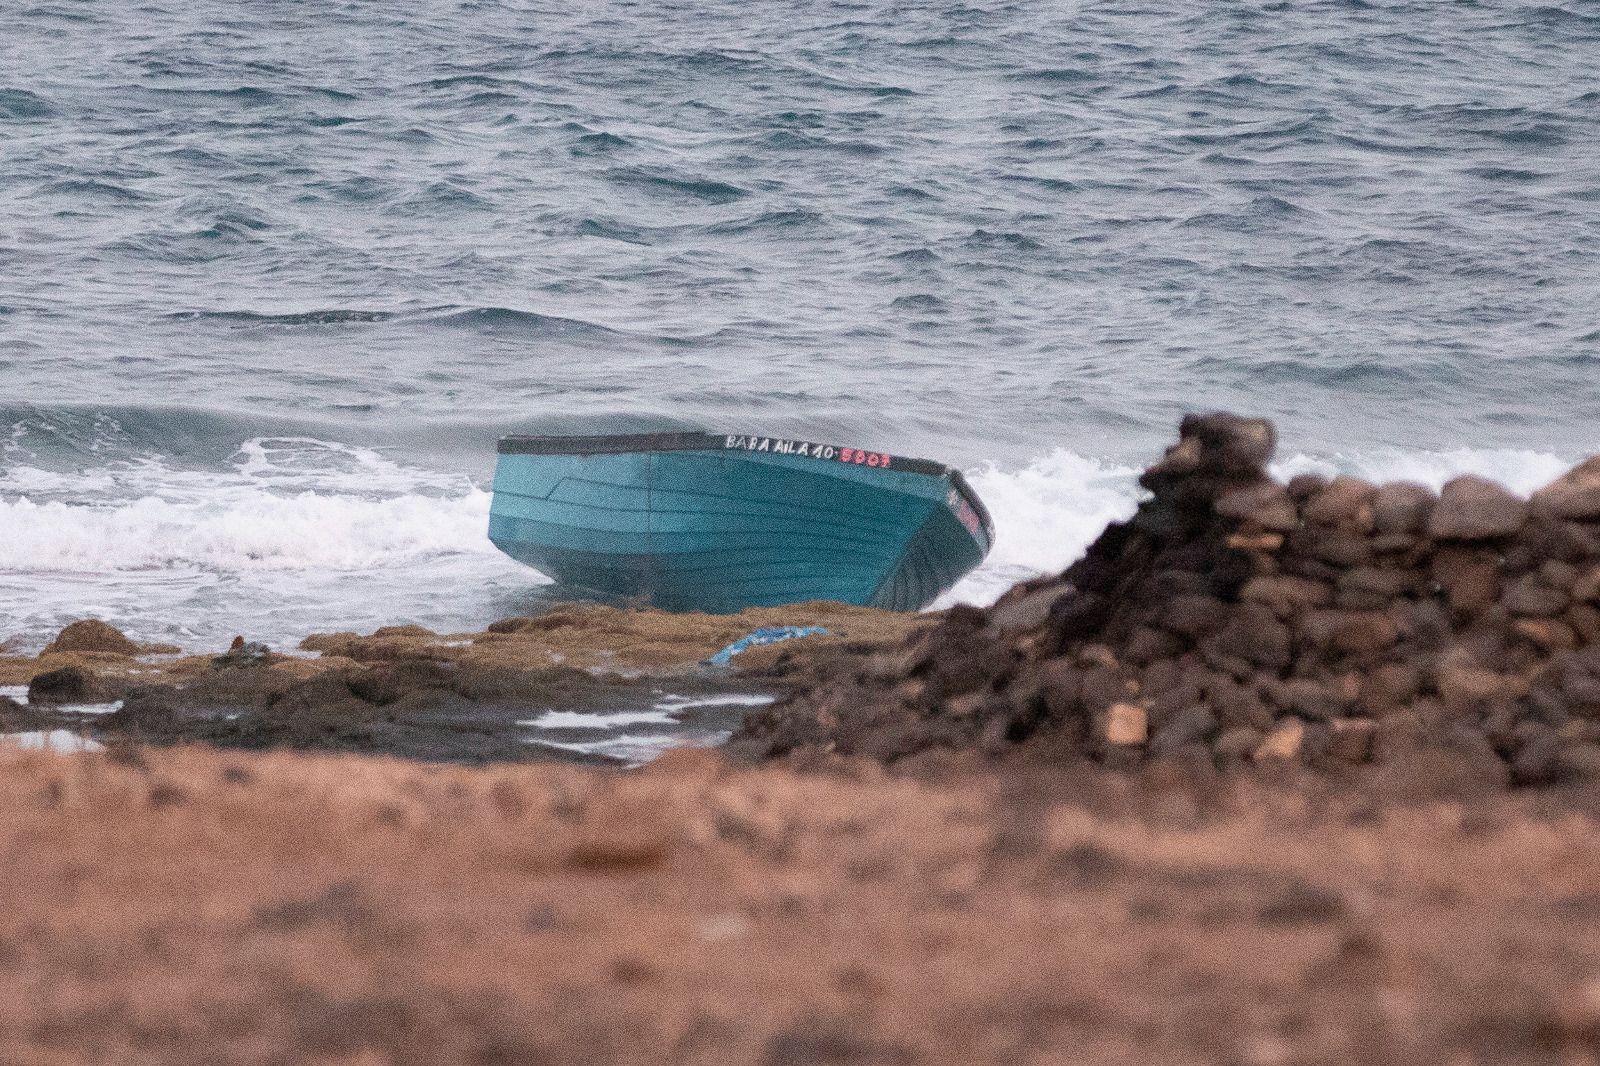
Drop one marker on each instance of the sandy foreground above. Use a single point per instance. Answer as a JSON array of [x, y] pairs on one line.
[[189, 905]]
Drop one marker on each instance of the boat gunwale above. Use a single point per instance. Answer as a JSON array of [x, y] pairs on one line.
[[694, 441]]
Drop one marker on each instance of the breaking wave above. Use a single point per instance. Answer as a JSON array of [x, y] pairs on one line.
[[301, 534], [1047, 513]]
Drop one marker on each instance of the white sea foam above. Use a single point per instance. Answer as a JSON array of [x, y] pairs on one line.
[[1049, 511], [598, 720], [286, 503], [62, 741], [240, 528], [1520, 471], [299, 535], [293, 536], [1045, 515]]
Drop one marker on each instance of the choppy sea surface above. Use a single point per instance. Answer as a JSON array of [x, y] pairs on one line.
[[273, 276]]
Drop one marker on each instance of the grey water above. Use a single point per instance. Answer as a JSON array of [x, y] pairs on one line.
[[273, 276]]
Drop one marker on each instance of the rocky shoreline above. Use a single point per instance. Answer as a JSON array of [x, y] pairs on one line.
[[1236, 621], [405, 691], [1277, 774]]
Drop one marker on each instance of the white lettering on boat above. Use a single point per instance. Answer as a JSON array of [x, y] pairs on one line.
[[809, 449]]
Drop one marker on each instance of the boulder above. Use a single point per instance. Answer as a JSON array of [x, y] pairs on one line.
[[1531, 597], [92, 635], [1193, 724], [1265, 503], [1351, 739], [1286, 595], [1351, 632], [1194, 616], [1401, 507], [1346, 501], [1575, 494], [1237, 742], [1255, 635], [1475, 508], [1587, 586], [1389, 688], [70, 684], [1470, 583], [1550, 634], [1219, 446], [1466, 688]]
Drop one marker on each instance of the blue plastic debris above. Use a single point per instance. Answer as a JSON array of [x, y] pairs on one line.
[[764, 635]]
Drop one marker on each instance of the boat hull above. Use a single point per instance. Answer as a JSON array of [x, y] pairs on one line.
[[719, 523]]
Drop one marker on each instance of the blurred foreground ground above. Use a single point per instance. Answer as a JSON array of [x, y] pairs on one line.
[[195, 906]]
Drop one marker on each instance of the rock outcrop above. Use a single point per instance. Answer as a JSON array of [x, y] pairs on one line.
[[92, 635], [1235, 619]]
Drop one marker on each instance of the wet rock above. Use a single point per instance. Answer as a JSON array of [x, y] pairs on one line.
[[15, 716], [1474, 508], [92, 635], [70, 684], [243, 653]]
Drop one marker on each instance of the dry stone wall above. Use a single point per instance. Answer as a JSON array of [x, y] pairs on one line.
[[1239, 620]]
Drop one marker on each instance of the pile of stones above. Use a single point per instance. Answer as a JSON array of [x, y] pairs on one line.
[[1236, 620]]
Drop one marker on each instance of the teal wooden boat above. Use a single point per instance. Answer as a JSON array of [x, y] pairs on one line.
[[718, 522]]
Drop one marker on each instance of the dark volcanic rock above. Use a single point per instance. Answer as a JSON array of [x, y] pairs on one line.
[[1323, 623], [69, 684]]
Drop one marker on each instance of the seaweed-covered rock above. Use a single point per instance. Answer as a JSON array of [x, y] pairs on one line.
[[92, 635]]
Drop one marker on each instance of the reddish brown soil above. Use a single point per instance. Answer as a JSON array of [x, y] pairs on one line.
[[190, 906]]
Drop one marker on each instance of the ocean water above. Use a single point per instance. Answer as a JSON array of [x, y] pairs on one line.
[[273, 276]]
